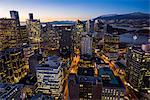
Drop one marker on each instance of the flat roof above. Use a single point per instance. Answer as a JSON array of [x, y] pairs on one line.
[[109, 79], [85, 71]]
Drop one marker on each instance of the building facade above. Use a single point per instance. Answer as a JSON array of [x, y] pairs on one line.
[[50, 39], [49, 76], [9, 34], [34, 31], [90, 26], [112, 88], [24, 34], [138, 67], [65, 40], [79, 28], [84, 85], [86, 45], [13, 66], [111, 46]]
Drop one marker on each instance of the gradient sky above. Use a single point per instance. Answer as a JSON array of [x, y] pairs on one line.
[[50, 10]]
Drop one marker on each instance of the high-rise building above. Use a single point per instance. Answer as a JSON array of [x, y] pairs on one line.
[[34, 60], [84, 85], [111, 46], [79, 28], [90, 26], [65, 41], [13, 66], [34, 31], [49, 76], [15, 15], [24, 34], [138, 66], [86, 45], [30, 16], [50, 39], [9, 34], [98, 26], [112, 88]]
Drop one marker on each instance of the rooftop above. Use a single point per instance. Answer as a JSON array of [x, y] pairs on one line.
[[86, 71], [8, 90], [145, 48], [53, 61], [109, 79]]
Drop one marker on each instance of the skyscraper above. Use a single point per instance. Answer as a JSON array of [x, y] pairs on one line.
[[65, 41], [86, 45], [111, 46], [79, 28], [138, 66], [31, 16], [9, 33], [50, 39], [15, 15], [90, 26], [34, 30]]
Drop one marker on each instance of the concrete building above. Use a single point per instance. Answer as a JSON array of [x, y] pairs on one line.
[[111, 46], [138, 67], [24, 34], [112, 88], [90, 26], [98, 26], [30, 16], [27, 52], [15, 15], [13, 66], [9, 34], [34, 31], [9, 91], [49, 76], [34, 60], [65, 41], [50, 39], [84, 85], [79, 28], [86, 45]]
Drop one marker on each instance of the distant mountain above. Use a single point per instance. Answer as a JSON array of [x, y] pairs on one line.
[[62, 22], [135, 15], [109, 15]]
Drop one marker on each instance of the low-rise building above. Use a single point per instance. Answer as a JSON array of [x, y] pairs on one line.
[[84, 85], [113, 88], [49, 76]]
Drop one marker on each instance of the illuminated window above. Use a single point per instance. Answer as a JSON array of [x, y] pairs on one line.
[[81, 85]]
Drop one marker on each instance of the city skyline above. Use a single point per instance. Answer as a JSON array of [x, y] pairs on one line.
[[58, 10]]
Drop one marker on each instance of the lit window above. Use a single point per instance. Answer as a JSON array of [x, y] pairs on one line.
[[89, 93], [81, 85]]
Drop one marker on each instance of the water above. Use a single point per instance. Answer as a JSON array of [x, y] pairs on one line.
[[128, 38]]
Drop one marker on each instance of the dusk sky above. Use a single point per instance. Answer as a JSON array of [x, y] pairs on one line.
[[50, 10]]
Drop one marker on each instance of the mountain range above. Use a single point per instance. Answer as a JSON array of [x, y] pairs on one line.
[[135, 15]]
